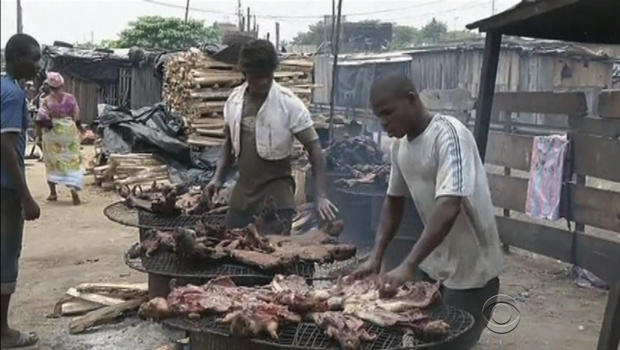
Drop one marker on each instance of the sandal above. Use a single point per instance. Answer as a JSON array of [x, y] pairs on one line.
[[52, 198], [22, 340]]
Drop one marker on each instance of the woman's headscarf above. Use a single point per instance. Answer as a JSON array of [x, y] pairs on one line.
[[54, 80]]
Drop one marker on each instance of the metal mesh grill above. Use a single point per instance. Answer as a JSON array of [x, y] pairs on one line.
[[371, 190], [122, 214], [307, 335], [168, 264]]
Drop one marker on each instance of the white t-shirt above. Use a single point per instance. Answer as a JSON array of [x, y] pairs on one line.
[[444, 161]]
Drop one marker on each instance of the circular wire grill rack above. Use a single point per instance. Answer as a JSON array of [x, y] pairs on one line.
[[120, 213], [308, 336], [168, 264], [371, 190]]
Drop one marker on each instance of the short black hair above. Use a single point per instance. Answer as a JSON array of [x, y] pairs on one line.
[[397, 85], [19, 45], [258, 56]]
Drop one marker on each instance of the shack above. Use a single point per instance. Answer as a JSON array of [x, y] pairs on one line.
[[524, 65], [594, 213], [120, 77]]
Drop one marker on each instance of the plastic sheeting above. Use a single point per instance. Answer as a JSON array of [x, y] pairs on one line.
[[89, 65], [155, 130]]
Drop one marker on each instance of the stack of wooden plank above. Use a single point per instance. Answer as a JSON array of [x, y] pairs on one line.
[[197, 86], [131, 169], [99, 303]]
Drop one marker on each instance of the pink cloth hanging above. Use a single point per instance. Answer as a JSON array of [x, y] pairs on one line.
[[544, 187]]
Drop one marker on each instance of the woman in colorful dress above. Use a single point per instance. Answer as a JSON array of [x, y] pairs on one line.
[[59, 118]]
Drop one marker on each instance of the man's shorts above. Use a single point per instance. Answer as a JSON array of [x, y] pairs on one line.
[[11, 233]]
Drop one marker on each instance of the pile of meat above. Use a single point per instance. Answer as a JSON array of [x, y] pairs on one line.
[[341, 311], [264, 244], [175, 200], [358, 160]]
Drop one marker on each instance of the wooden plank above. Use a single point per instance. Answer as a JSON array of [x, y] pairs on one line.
[[610, 335], [598, 255], [508, 192], [94, 298], [591, 206], [595, 207], [597, 156], [609, 103], [78, 307], [513, 151], [596, 126], [569, 103], [488, 76], [104, 315]]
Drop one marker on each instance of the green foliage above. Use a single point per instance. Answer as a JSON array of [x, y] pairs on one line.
[[405, 36], [314, 35], [402, 37], [434, 31], [169, 33]]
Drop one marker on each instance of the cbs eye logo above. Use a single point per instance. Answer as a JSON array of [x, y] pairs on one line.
[[501, 314]]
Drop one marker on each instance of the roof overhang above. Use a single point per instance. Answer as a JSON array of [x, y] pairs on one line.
[[592, 21]]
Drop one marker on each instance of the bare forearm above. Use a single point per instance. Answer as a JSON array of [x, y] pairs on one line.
[[11, 163], [391, 216], [319, 168], [442, 219], [224, 160]]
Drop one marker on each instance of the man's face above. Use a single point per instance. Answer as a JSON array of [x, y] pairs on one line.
[[397, 114], [27, 65], [259, 82]]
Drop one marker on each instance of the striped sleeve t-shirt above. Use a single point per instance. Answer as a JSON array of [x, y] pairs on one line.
[[444, 161]]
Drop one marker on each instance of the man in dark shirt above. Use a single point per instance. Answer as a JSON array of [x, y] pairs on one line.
[[262, 121], [22, 62]]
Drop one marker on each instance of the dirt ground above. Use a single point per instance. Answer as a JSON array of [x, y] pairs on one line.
[[69, 245]]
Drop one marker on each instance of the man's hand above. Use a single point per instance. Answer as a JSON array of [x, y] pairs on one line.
[[30, 209], [369, 267], [213, 188], [327, 209], [395, 278]]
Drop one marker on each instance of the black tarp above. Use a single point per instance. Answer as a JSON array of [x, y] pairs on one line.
[[155, 130], [89, 65]]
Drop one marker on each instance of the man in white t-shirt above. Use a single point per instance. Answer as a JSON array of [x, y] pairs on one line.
[[436, 162]]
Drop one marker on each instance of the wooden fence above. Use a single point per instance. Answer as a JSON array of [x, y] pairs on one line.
[[595, 152]]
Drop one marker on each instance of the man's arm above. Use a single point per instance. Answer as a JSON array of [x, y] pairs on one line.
[[319, 170], [442, 219], [223, 164], [10, 161], [389, 222]]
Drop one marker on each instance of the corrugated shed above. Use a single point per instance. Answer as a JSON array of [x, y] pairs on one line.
[[145, 87], [537, 67], [86, 94]]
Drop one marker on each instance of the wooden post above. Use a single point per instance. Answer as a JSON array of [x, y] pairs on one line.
[[506, 117], [20, 25], [610, 330], [277, 36], [487, 89], [332, 99], [186, 10]]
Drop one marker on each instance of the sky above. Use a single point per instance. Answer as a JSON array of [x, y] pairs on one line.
[[80, 20]]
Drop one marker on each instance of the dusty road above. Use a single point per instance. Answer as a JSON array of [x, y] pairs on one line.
[[70, 245]]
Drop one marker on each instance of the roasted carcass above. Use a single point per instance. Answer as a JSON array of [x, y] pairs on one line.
[[174, 200], [358, 160], [158, 199], [247, 246], [341, 311]]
